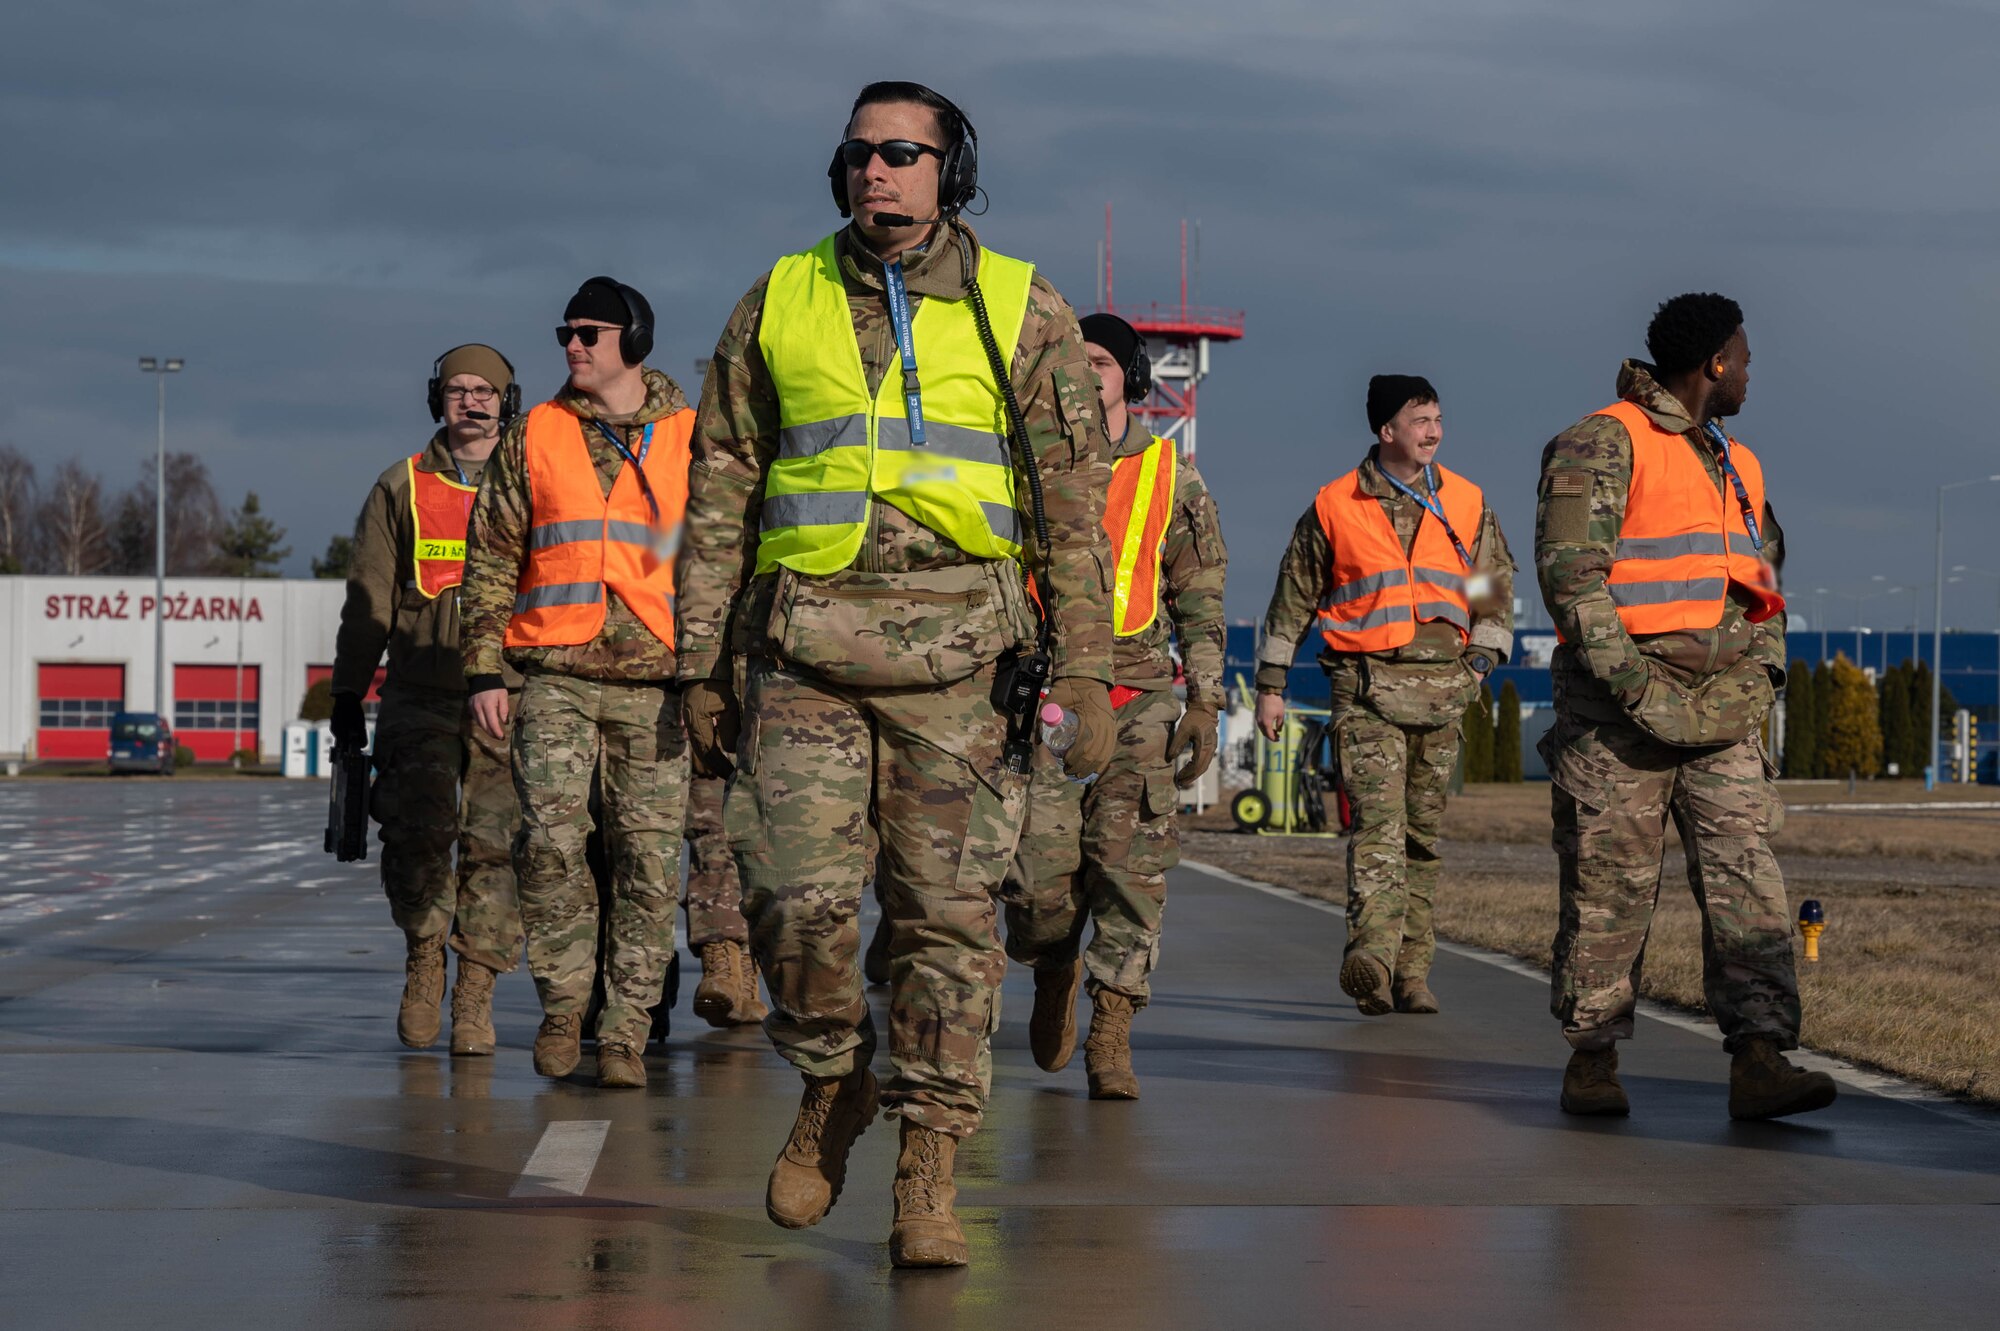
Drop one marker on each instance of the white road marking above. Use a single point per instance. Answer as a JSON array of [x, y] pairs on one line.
[[1919, 806], [1860, 1079], [563, 1160]]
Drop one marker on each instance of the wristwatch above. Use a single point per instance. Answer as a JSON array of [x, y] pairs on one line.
[[1481, 663]]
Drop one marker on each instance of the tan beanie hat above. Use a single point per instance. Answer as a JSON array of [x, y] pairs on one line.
[[476, 358]]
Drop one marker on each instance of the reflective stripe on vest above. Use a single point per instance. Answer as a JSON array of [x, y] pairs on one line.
[[440, 512], [1682, 543], [1377, 593], [581, 543], [841, 449], [1137, 510]]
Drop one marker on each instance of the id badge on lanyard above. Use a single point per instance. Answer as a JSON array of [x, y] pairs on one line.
[[1478, 586], [664, 544], [906, 347]]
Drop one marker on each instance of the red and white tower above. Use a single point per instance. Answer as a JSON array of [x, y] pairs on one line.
[[1177, 339]]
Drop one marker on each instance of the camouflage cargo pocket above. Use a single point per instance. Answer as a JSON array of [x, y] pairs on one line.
[[892, 630], [1157, 846]]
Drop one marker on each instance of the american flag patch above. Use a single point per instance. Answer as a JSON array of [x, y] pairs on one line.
[[1568, 485]]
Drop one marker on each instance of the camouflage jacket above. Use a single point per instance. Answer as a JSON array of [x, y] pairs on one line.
[[1192, 568], [1302, 584], [1576, 538], [497, 550], [383, 606], [722, 606]]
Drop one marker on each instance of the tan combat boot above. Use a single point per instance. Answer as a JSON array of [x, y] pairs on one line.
[[875, 962], [926, 1233], [1590, 1085], [559, 1044], [418, 1019], [1052, 1025], [749, 1009], [715, 998], [1763, 1084], [1366, 981], [472, 1009], [806, 1180], [1107, 1052], [1415, 996], [619, 1065]]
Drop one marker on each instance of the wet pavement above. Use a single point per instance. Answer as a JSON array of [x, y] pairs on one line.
[[205, 1120]]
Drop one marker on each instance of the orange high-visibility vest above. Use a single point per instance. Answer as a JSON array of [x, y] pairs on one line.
[[440, 511], [1136, 512], [1376, 592], [1683, 544], [581, 543]]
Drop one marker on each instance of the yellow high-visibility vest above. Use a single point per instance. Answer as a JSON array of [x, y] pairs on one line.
[[839, 449]]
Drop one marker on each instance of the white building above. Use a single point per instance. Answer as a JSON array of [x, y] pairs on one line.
[[240, 654]]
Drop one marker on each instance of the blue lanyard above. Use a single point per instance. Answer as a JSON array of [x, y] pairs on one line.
[[1431, 506], [1716, 433], [645, 447], [906, 347]]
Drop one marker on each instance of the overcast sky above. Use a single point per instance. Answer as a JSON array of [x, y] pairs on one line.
[[308, 202]]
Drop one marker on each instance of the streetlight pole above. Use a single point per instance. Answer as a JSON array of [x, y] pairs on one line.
[[1937, 627], [160, 368]]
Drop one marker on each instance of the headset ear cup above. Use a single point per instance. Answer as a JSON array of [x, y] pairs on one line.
[[434, 398], [836, 179], [510, 403], [635, 343], [1139, 376]]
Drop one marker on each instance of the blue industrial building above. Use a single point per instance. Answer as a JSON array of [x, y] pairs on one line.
[[1971, 672]]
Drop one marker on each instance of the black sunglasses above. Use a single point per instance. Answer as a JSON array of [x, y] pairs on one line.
[[586, 334], [895, 152]]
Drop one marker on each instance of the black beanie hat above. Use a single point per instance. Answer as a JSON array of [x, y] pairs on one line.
[[1390, 393], [1113, 334], [599, 299]]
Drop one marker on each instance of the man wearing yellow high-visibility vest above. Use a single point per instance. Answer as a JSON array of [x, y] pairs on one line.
[[1100, 853], [898, 425]]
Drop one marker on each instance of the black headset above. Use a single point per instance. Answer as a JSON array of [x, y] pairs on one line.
[[635, 339], [1139, 371], [958, 176], [510, 399]]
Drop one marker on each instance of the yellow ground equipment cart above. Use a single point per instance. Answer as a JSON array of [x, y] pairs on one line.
[[1298, 778]]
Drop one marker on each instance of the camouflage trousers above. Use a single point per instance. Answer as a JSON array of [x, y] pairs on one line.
[[1615, 789], [714, 892], [628, 733], [1396, 778], [441, 781], [1100, 853], [819, 765]]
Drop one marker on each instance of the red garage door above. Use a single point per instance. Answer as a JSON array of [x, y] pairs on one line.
[[210, 716], [76, 706]]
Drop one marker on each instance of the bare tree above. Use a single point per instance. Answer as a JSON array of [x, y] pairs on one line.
[[194, 519], [17, 508], [69, 523]]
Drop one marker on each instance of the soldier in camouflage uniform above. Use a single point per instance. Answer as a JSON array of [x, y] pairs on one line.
[[1650, 545], [1099, 853], [727, 995], [875, 585], [1398, 691], [598, 661], [440, 781]]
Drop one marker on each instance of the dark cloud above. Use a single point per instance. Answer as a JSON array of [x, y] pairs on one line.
[[310, 201]]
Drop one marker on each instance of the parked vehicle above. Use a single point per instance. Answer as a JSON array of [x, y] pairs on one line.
[[141, 742]]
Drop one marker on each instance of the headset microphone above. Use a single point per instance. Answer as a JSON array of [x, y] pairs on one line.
[[477, 416], [903, 219]]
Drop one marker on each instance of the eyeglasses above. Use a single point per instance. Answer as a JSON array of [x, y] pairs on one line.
[[587, 334], [472, 394], [894, 152]]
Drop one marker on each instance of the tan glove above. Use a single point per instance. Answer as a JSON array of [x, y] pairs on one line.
[[1097, 725], [1195, 730], [710, 713]]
